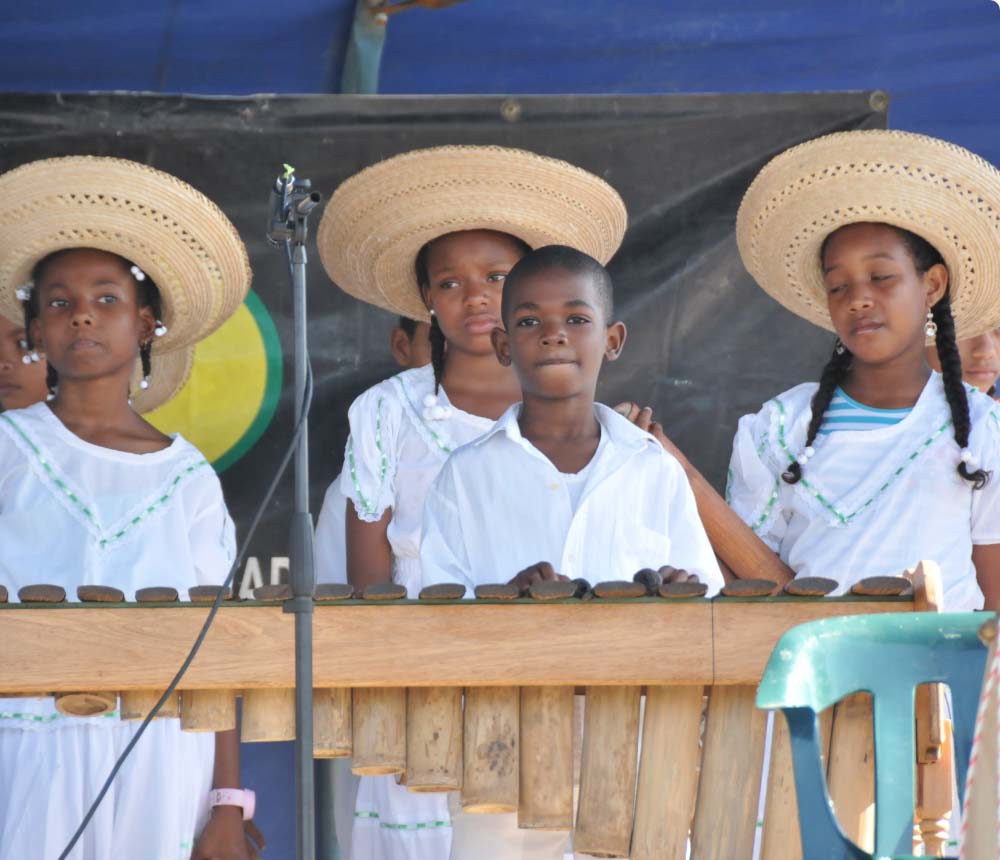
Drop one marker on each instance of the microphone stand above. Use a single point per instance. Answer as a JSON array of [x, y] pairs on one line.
[[291, 202]]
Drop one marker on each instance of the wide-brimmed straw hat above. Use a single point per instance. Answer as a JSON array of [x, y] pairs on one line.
[[170, 370], [940, 191], [378, 220], [171, 231]]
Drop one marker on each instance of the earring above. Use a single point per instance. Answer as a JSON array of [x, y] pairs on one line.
[[930, 327], [839, 347], [432, 312], [160, 329]]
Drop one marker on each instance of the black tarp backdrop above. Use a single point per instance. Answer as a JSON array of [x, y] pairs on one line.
[[705, 345]]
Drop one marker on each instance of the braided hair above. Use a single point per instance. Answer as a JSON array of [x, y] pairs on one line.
[[147, 295], [436, 336], [924, 255]]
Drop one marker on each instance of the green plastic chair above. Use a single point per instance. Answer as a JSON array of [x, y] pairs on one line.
[[815, 665]]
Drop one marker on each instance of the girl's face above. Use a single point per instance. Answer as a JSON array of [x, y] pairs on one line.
[[877, 299], [465, 274], [89, 322], [20, 384], [980, 359]]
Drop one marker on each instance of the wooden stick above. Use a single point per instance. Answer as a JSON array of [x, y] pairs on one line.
[[379, 720], [982, 804], [546, 773], [732, 539], [491, 749], [607, 780], [725, 820], [934, 798], [668, 773], [332, 723], [434, 739]]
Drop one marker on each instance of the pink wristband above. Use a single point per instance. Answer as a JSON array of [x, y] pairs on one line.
[[243, 797]]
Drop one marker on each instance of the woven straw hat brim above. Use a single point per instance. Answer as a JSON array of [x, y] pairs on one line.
[[940, 191], [170, 371], [170, 230], [379, 219]]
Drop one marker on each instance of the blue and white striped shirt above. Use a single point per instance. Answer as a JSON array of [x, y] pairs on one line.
[[844, 413]]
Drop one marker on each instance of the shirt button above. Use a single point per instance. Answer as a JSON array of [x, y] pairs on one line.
[[553, 486]]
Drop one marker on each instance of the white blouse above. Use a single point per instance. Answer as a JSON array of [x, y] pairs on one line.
[[871, 502], [393, 454], [500, 505], [73, 513]]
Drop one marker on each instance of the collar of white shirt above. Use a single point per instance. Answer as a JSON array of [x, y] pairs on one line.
[[623, 435]]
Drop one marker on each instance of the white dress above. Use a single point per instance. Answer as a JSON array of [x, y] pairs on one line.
[[393, 454], [871, 502], [73, 513]]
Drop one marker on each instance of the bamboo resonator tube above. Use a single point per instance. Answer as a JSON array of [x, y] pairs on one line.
[[479, 698]]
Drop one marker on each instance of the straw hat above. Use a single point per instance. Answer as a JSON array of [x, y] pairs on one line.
[[173, 233], [170, 371], [379, 219], [933, 188]]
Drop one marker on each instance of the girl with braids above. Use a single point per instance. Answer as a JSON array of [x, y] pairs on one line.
[[93, 494], [887, 238], [431, 235]]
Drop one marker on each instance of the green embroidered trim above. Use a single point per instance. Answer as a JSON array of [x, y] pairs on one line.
[[159, 503], [370, 507], [842, 518], [50, 472], [420, 825], [996, 420], [46, 718], [419, 416], [103, 542], [765, 515]]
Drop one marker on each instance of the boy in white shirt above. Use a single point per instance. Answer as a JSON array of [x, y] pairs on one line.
[[560, 477]]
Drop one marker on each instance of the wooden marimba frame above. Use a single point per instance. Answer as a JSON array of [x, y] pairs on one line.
[[478, 696]]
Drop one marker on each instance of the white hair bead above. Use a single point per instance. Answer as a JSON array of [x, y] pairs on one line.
[[430, 401], [138, 273]]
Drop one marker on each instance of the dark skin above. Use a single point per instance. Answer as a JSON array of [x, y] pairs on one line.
[[21, 384], [466, 272], [90, 325], [878, 302], [557, 339]]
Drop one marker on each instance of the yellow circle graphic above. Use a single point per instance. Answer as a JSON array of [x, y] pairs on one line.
[[232, 392]]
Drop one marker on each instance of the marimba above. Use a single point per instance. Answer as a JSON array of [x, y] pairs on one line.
[[478, 696]]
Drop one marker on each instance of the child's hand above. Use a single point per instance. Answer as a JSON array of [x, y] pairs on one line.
[[540, 572], [673, 574], [642, 417], [224, 837]]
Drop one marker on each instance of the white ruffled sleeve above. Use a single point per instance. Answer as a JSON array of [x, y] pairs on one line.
[[369, 476], [754, 488], [212, 535], [984, 442]]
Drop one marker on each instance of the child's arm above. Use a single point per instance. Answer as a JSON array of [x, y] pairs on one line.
[[369, 555], [368, 484], [223, 837], [986, 558]]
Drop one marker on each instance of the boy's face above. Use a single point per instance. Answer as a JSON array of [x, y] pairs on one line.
[[556, 335]]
